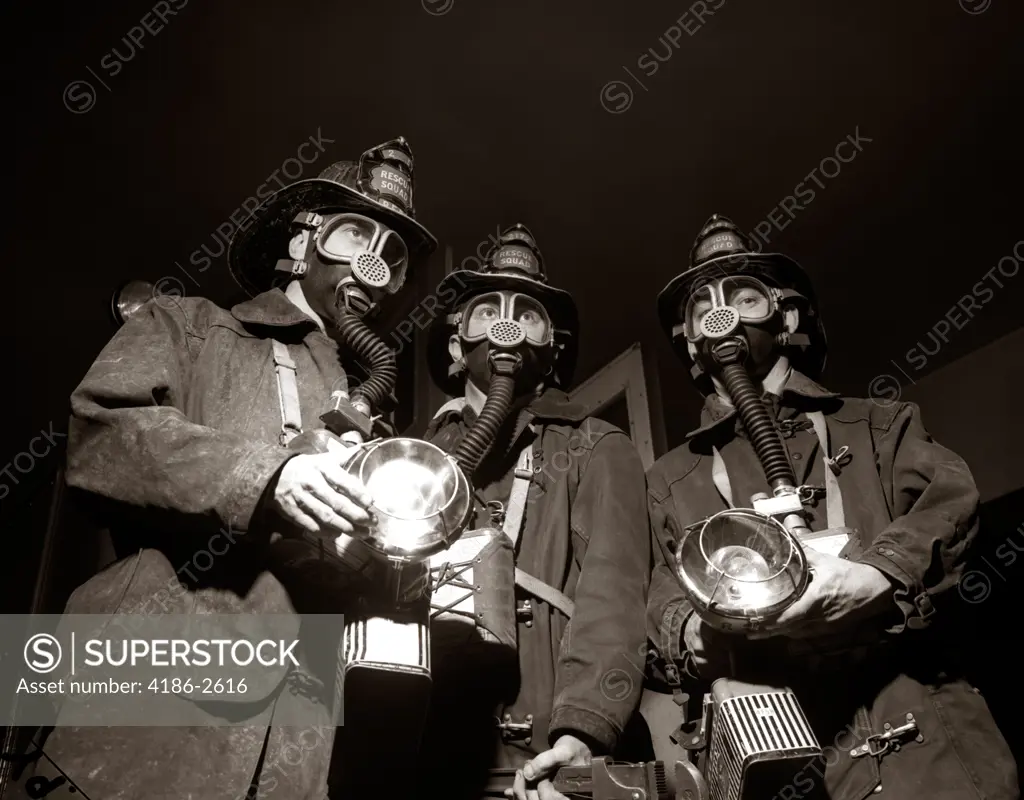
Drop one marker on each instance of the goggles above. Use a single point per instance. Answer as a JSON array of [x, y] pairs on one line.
[[718, 306], [507, 319], [378, 256]]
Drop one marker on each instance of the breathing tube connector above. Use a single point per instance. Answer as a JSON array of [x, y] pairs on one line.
[[376, 356], [480, 438], [760, 427]]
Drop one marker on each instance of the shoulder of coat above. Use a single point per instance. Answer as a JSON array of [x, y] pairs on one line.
[[671, 468], [877, 412], [582, 434], [195, 315]]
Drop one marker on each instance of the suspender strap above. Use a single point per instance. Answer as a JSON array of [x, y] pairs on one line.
[[513, 528], [542, 591], [517, 499], [833, 496], [721, 477], [287, 393]]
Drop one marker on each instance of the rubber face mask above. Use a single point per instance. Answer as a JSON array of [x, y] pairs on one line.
[[741, 307], [717, 309], [376, 257], [511, 322], [506, 319]]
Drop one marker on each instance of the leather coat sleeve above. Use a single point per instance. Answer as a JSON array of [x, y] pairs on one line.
[[667, 607], [934, 504], [129, 440], [600, 668]]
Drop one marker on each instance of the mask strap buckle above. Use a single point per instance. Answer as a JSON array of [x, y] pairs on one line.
[[307, 223]]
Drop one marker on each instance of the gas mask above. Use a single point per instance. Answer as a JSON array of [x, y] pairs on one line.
[[364, 258], [506, 324], [736, 311]]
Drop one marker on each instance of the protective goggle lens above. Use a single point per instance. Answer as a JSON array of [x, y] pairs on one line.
[[346, 235], [395, 254], [377, 253], [751, 298], [484, 311]]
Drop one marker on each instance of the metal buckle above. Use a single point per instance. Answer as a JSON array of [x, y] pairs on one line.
[[789, 427], [878, 744], [287, 434], [515, 731], [839, 460], [496, 510], [923, 604], [809, 495], [308, 220]]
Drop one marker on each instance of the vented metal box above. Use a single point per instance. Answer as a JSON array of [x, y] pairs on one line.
[[760, 740]]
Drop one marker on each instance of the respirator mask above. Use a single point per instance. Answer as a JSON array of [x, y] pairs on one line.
[[507, 325], [375, 256], [735, 309]]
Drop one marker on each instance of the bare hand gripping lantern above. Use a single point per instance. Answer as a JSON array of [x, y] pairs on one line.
[[743, 567]]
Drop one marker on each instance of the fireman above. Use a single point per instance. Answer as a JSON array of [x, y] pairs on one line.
[[550, 673], [900, 510]]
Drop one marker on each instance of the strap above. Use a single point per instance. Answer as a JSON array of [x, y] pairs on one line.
[[721, 477], [833, 497], [287, 393], [513, 527], [542, 591], [517, 498]]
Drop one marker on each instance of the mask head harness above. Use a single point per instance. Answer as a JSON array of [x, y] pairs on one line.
[[378, 259], [376, 254], [504, 314], [516, 326], [733, 299], [729, 309]]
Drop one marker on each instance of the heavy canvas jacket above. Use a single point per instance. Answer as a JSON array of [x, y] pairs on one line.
[[175, 431], [585, 533], [912, 504]]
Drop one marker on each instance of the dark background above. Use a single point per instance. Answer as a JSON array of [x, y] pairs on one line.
[[502, 103]]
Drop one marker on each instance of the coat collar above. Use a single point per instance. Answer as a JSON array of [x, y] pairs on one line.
[[717, 412], [272, 308], [553, 404]]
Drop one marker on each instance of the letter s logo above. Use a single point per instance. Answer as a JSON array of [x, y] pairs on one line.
[[42, 653]]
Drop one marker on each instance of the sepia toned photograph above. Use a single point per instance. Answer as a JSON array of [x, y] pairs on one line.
[[529, 400]]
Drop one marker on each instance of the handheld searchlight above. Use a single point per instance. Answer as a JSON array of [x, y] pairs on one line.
[[740, 569], [422, 504]]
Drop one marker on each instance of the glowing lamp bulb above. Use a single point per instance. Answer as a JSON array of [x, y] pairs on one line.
[[410, 493], [405, 489], [741, 563]]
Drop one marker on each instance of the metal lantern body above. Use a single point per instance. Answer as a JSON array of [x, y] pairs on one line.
[[423, 503], [740, 569], [421, 498]]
